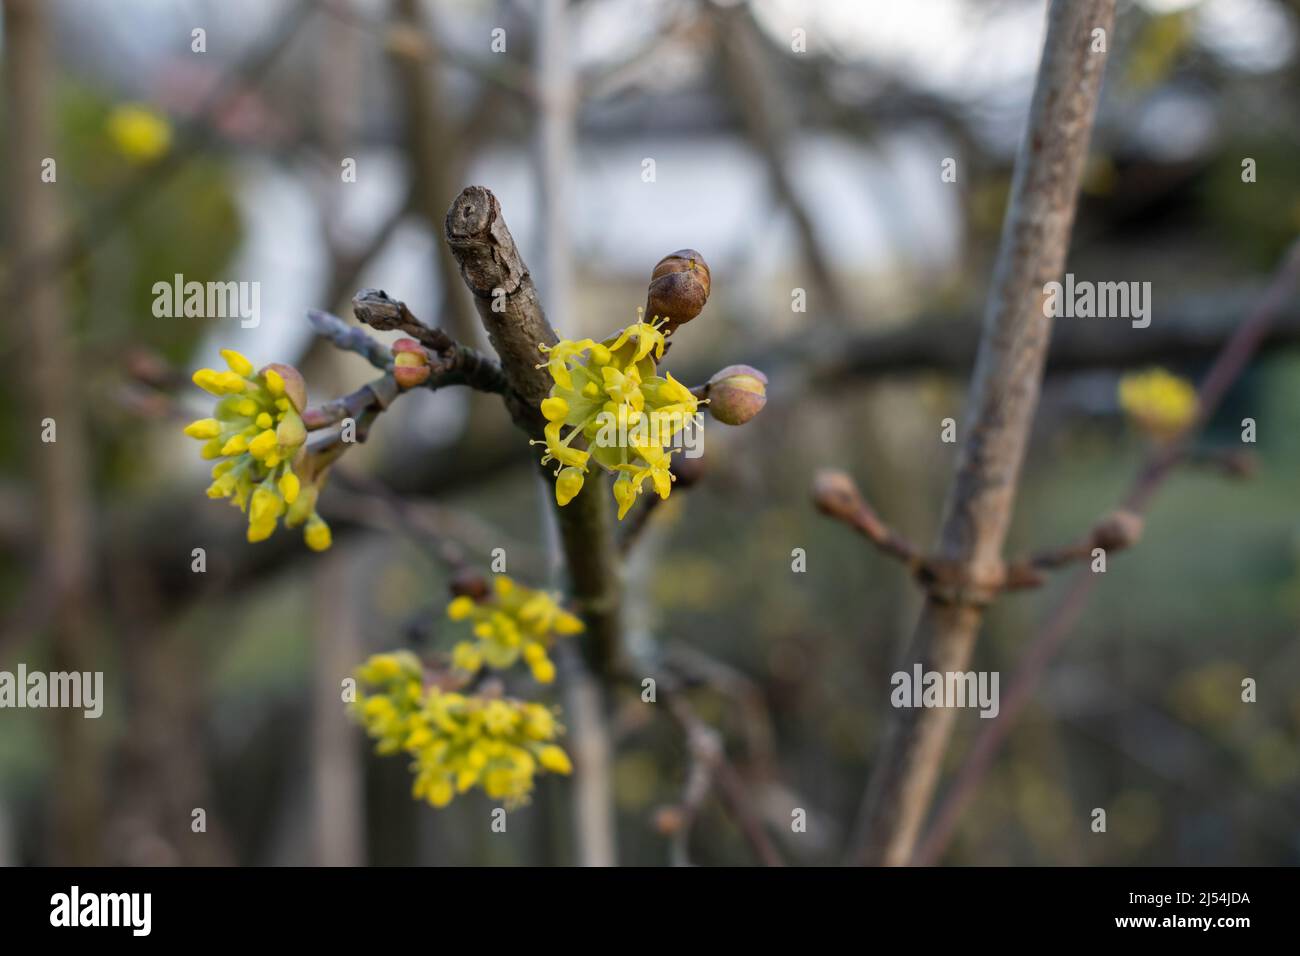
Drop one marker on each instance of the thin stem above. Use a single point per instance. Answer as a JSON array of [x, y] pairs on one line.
[[1004, 397]]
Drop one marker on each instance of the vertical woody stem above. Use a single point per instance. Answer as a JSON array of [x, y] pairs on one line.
[[1003, 399], [507, 302]]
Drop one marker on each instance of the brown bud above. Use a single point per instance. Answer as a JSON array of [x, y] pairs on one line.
[[679, 287], [736, 394], [668, 820], [468, 583], [294, 386], [1118, 530], [835, 494], [411, 363]]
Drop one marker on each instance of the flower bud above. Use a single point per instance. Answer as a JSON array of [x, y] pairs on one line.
[[292, 385], [736, 394], [411, 363], [1118, 530], [679, 288], [669, 820], [466, 582]]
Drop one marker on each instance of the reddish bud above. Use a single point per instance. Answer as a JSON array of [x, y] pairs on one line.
[[736, 394]]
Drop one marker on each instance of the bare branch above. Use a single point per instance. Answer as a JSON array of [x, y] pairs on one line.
[[836, 496], [507, 303], [452, 363], [1004, 396], [350, 339], [1226, 370]]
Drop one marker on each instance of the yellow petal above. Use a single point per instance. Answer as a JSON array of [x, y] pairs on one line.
[[440, 792], [555, 408], [460, 608], [261, 530], [262, 445], [204, 428], [238, 364], [317, 534], [567, 485], [543, 671], [235, 446], [289, 487], [208, 380], [554, 759]]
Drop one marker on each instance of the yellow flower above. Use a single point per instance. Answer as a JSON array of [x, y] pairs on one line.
[[258, 432], [139, 133], [567, 485], [1160, 403], [609, 397], [511, 621], [456, 741], [317, 534], [554, 759]]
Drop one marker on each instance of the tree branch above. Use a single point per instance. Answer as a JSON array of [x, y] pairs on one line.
[[507, 303], [451, 362], [1004, 396], [1226, 370]]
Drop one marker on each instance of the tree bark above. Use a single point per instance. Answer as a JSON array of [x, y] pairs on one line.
[[508, 304], [1004, 396], [60, 467]]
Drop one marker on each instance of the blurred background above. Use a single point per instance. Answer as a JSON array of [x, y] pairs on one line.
[[800, 147]]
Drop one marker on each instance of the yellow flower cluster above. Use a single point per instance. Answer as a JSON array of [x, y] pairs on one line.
[[1160, 403], [140, 134], [257, 430], [610, 395], [513, 621], [457, 741]]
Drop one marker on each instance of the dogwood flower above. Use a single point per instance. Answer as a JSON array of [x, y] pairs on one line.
[[610, 405], [1158, 402], [456, 741], [257, 432], [511, 622]]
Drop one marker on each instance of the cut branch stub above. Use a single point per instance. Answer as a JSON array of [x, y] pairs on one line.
[[504, 296]]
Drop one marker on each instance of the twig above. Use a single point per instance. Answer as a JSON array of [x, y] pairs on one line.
[[377, 395], [1004, 396], [769, 127], [452, 363], [704, 745], [836, 496], [1118, 531], [709, 767], [350, 339], [507, 303], [1226, 370]]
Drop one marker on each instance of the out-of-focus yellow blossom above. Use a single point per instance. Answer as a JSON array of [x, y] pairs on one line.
[[257, 432], [610, 406], [140, 134], [512, 622], [1160, 403], [457, 741]]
